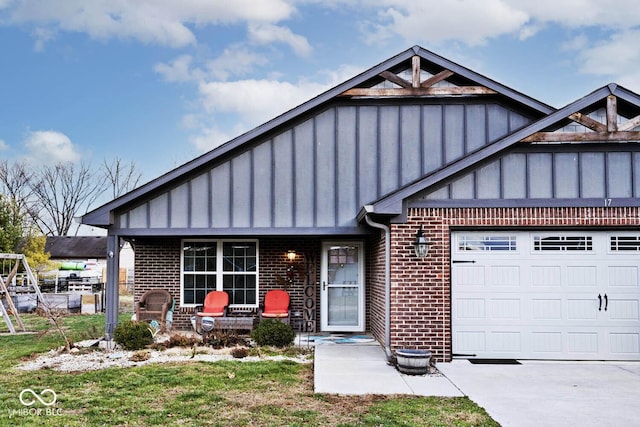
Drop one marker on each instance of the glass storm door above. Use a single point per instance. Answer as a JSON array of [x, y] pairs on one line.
[[342, 287]]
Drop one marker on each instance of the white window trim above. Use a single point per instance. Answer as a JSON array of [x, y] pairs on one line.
[[219, 273]]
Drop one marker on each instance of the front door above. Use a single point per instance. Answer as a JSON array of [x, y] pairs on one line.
[[342, 287]]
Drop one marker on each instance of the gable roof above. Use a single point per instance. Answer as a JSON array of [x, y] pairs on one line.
[[613, 98], [82, 247], [102, 216]]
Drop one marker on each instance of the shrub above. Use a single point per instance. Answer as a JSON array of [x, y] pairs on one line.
[[176, 340], [239, 352], [273, 332], [140, 356], [133, 335], [221, 338]]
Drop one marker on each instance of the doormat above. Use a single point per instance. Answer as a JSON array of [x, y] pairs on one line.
[[341, 339], [494, 361]]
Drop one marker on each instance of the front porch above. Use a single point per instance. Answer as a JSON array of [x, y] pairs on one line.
[[297, 268]]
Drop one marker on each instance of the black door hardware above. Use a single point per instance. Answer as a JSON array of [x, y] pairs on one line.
[[606, 302], [599, 302]]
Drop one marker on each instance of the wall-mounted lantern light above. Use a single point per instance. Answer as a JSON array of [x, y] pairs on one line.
[[420, 245], [291, 255]]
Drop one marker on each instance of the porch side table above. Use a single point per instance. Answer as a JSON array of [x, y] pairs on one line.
[[240, 323]]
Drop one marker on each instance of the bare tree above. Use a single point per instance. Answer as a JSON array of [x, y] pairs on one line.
[[15, 181], [121, 177], [61, 192]]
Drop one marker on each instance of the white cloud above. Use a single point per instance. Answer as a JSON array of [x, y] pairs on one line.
[[576, 43], [251, 103], [179, 70], [235, 60], [622, 58], [164, 22], [4, 146], [50, 147], [268, 33], [190, 121], [475, 22], [472, 22], [256, 100], [581, 13], [210, 138], [42, 36]]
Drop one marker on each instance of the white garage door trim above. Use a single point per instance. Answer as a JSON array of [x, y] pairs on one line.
[[546, 295]]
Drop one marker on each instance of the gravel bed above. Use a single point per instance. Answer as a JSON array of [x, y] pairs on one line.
[[95, 359]]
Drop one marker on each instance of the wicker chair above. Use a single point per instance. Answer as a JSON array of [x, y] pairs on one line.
[[154, 305]]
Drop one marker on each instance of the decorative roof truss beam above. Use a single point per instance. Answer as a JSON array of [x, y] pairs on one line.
[[588, 122], [417, 88], [629, 124], [601, 132], [583, 136]]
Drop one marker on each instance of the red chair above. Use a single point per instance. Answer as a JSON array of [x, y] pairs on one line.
[[276, 306], [216, 304]]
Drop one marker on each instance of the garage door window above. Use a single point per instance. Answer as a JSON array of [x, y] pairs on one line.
[[563, 243], [487, 243], [625, 243]]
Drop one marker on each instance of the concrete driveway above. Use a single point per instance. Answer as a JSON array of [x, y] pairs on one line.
[[539, 393]]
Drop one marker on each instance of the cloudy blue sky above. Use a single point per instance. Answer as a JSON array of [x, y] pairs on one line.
[[159, 82]]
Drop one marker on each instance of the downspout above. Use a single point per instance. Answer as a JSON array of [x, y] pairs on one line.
[[387, 278]]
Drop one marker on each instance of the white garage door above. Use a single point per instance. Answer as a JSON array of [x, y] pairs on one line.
[[546, 295]]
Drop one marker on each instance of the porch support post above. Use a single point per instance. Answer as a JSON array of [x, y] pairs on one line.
[[387, 279], [112, 286]]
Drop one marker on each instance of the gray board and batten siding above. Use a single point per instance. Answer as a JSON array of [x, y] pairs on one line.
[[315, 175], [546, 175]]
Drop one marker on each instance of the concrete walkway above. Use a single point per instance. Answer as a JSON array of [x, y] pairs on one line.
[[363, 369], [534, 393]]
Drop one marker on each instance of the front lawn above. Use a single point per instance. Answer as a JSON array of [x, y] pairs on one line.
[[224, 393]]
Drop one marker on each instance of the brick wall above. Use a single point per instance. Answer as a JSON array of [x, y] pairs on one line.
[[376, 287], [274, 264], [157, 265], [420, 294]]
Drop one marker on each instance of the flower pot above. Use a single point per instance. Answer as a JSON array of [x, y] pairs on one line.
[[413, 362]]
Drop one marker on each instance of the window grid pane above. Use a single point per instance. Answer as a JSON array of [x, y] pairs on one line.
[[625, 243], [196, 286], [240, 257], [487, 243], [241, 288], [563, 243], [199, 256], [238, 277]]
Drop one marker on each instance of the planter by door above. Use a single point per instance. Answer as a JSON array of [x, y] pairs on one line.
[[413, 362]]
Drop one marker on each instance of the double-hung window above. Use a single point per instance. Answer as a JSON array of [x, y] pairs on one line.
[[220, 265]]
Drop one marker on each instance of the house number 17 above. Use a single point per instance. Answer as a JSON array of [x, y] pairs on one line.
[[607, 202]]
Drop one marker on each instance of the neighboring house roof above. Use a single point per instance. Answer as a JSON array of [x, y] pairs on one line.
[[358, 86], [83, 247], [614, 98]]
